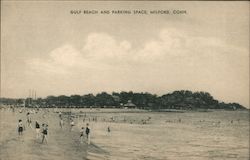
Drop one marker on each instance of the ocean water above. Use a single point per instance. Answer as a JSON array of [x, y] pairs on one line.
[[213, 135]]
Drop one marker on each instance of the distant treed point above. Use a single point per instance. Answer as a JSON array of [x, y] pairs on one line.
[[180, 100]]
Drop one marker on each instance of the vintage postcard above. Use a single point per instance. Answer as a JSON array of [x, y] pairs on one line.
[[124, 80]]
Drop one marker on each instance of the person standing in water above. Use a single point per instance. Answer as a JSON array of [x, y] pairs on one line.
[[109, 129], [61, 123], [87, 131], [81, 134], [72, 124]]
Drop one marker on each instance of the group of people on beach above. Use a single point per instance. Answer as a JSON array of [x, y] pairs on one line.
[[42, 130], [39, 133], [82, 130], [87, 132]]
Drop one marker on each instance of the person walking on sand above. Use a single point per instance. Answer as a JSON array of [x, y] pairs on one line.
[[81, 134], [87, 131], [45, 133], [37, 130]]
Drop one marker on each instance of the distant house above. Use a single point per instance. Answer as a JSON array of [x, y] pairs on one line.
[[130, 104]]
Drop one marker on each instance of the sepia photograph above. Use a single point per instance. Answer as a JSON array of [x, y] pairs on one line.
[[124, 80]]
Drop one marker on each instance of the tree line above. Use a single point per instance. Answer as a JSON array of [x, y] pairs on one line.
[[183, 99]]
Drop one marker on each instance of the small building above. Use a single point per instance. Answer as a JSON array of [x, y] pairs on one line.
[[129, 104]]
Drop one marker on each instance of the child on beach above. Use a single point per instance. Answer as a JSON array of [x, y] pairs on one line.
[[81, 134], [45, 133], [37, 130], [87, 131]]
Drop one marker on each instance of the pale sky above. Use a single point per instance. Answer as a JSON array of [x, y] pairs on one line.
[[45, 48]]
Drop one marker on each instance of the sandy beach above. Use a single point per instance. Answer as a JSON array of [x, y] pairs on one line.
[[62, 144], [133, 135]]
